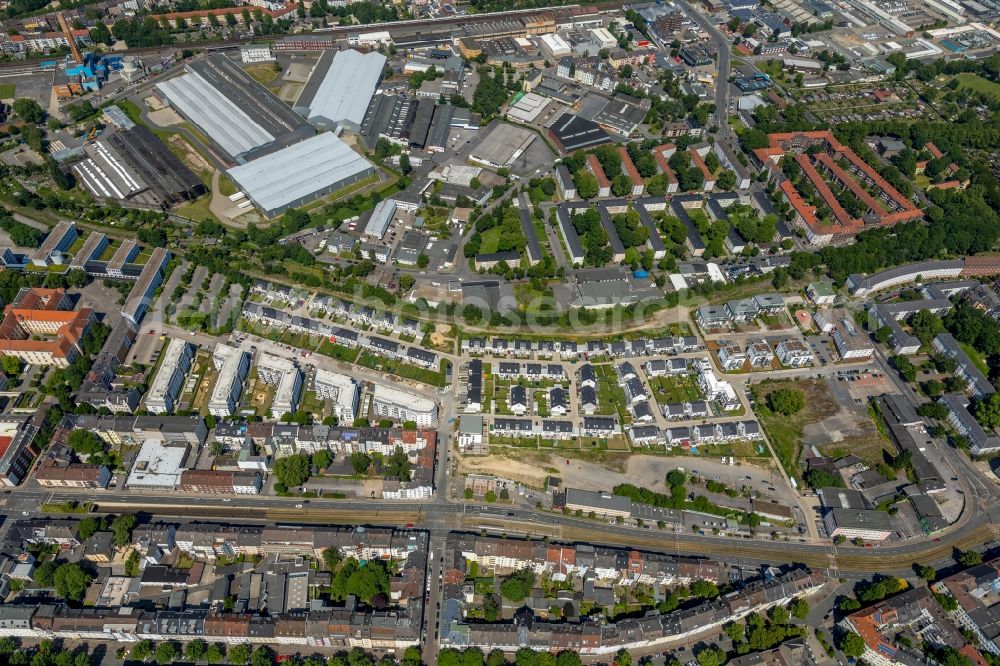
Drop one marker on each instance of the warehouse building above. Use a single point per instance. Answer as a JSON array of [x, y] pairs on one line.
[[380, 219], [503, 145], [340, 88], [528, 108], [106, 175], [166, 176], [309, 170], [572, 133], [239, 114], [389, 117], [421, 123]]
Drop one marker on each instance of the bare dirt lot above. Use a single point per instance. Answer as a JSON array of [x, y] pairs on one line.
[[189, 156], [165, 117], [532, 467]]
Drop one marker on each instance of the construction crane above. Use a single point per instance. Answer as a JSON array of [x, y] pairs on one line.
[[68, 34]]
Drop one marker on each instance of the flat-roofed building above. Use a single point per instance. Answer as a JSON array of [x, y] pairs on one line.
[[392, 403], [821, 293], [850, 339], [169, 380], [135, 430], [283, 374], [341, 390], [979, 385], [254, 53], [17, 450], [60, 239], [471, 435], [981, 441], [92, 248], [149, 280], [232, 364], [869, 525], [502, 145], [601, 503], [793, 353], [124, 254], [157, 466], [861, 285]]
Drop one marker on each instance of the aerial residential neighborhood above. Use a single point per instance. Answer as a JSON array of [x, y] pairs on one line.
[[500, 333]]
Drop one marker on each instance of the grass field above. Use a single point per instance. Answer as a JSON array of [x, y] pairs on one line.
[[977, 83], [491, 241], [7, 90], [674, 389], [338, 352], [226, 186], [976, 358], [131, 109], [263, 73], [198, 209]]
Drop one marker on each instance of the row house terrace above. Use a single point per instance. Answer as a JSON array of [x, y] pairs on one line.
[[561, 561]]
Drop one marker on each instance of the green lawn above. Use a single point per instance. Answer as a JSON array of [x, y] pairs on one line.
[[339, 352], [424, 375], [976, 358], [198, 209], [131, 109], [7, 90], [674, 389], [491, 241], [978, 84]]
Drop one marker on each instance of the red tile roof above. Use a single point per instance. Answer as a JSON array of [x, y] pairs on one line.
[[629, 167], [598, 171], [700, 163], [287, 9]]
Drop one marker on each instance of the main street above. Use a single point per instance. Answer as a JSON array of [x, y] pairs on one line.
[[721, 43], [441, 515]]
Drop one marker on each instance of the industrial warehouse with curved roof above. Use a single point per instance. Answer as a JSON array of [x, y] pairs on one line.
[[308, 170], [240, 115], [340, 88]]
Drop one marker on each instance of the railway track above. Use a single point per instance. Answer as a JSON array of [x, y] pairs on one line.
[[33, 65]]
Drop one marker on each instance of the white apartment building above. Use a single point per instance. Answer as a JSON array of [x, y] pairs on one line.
[[342, 390], [391, 403], [233, 365], [285, 375], [169, 381]]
